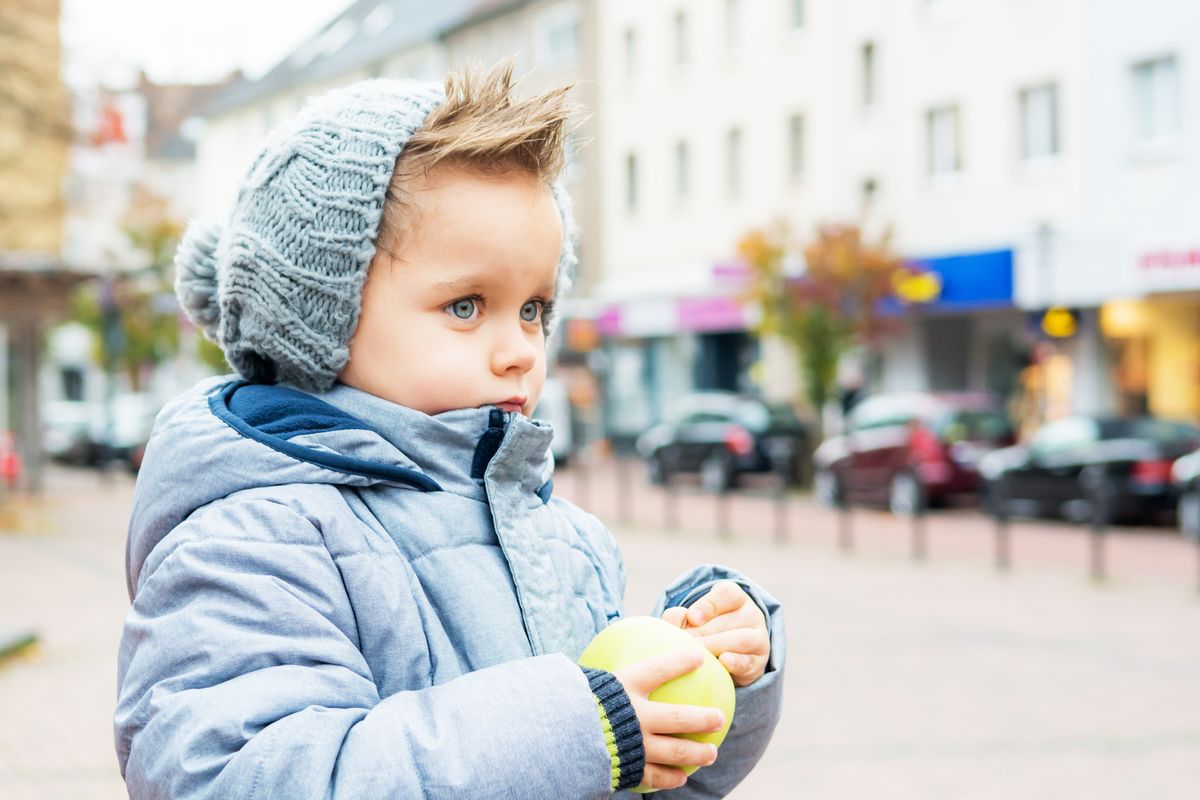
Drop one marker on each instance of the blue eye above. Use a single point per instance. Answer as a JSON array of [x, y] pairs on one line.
[[531, 311], [462, 309]]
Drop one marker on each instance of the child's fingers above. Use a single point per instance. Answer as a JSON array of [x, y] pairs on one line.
[[744, 669], [676, 752], [676, 616], [750, 641], [678, 718], [657, 776], [648, 674], [723, 597]]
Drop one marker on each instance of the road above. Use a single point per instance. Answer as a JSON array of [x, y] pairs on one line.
[[906, 679]]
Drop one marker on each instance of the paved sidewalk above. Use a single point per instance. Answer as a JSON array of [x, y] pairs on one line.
[[932, 680]]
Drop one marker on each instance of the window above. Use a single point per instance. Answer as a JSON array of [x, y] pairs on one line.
[[630, 52], [72, 383], [558, 36], [795, 156], [681, 39], [869, 77], [631, 182], [870, 191], [797, 14], [1156, 99], [733, 24], [682, 170], [942, 133], [733, 162], [1039, 122]]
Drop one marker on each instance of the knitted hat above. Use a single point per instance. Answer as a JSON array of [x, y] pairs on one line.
[[279, 285]]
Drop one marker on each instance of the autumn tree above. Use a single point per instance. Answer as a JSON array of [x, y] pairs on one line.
[[821, 297]]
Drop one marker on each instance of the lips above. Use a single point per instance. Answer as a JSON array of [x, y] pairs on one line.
[[513, 404]]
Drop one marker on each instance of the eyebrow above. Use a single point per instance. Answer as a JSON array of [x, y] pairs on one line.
[[471, 284]]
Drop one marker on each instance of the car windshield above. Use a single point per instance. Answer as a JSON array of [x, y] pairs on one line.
[[973, 425], [1160, 431], [752, 414]]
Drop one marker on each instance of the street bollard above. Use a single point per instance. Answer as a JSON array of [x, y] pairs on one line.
[[1188, 516], [781, 515], [1101, 513], [724, 528], [783, 464], [845, 527], [1000, 515], [582, 481], [917, 522], [624, 491], [670, 505]]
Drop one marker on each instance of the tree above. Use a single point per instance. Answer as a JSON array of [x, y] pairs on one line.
[[825, 302], [133, 312]]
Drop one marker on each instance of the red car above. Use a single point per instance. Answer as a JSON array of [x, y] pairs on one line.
[[910, 450]]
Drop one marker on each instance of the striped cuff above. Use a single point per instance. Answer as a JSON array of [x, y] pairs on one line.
[[622, 732]]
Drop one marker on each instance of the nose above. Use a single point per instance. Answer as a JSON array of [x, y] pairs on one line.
[[513, 351]]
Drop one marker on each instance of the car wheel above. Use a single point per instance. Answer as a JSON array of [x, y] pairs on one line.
[[1189, 512], [716, 473], [906, 496], [827, 488]]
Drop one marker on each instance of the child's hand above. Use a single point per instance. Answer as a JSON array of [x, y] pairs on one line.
[[731, 626], [664, 754]]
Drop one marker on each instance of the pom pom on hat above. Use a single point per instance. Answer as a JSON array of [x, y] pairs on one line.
[[196, 274]]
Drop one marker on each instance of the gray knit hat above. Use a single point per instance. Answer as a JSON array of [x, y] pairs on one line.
[[279, 286]]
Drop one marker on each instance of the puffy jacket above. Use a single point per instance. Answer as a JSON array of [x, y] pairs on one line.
[[337, 597]]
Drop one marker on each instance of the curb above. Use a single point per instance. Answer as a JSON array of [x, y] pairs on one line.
[[13, 642]]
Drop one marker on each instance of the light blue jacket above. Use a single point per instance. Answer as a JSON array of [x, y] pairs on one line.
[[337, 597]]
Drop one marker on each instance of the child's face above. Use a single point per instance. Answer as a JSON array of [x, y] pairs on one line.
[[455, 319]]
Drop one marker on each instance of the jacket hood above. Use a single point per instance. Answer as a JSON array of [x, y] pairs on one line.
[[225, 436]]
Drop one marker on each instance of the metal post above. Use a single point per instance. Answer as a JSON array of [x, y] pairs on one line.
[[624, 490], [845, 527], [582, 485], [919, 544], [781, 515], [1000, 515], [1101, 511], [723, 523], [670, 504]]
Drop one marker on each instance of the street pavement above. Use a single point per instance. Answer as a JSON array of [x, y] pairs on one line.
[[933, 678]]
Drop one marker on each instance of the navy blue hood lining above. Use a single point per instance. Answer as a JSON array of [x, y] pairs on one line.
[[273, 415]]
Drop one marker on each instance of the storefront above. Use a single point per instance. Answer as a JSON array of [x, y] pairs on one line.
[[969, 337]]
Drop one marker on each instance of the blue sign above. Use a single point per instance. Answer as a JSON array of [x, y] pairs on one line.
[[970, 281]]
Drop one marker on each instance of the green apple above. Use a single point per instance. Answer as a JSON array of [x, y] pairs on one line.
[[637, 638]]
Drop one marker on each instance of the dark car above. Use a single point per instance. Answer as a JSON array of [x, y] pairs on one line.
[[722, 435], [1185, 475], [910, 449], [1074, 463]]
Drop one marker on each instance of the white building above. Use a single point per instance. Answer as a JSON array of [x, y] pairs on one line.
[[1031, 153]]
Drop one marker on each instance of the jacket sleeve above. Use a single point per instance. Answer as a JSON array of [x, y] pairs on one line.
[[757, 706], [240, 676]]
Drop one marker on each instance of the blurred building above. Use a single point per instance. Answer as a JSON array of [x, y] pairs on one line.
[[1125, 259], [35, 134], [1031, 155]]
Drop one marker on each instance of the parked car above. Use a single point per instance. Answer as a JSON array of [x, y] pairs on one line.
[[1185, 476], [84, 433], [1071, 464], [910, 449], [721, 436]]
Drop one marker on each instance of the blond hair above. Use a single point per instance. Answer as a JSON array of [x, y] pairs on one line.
[[481, 127]]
